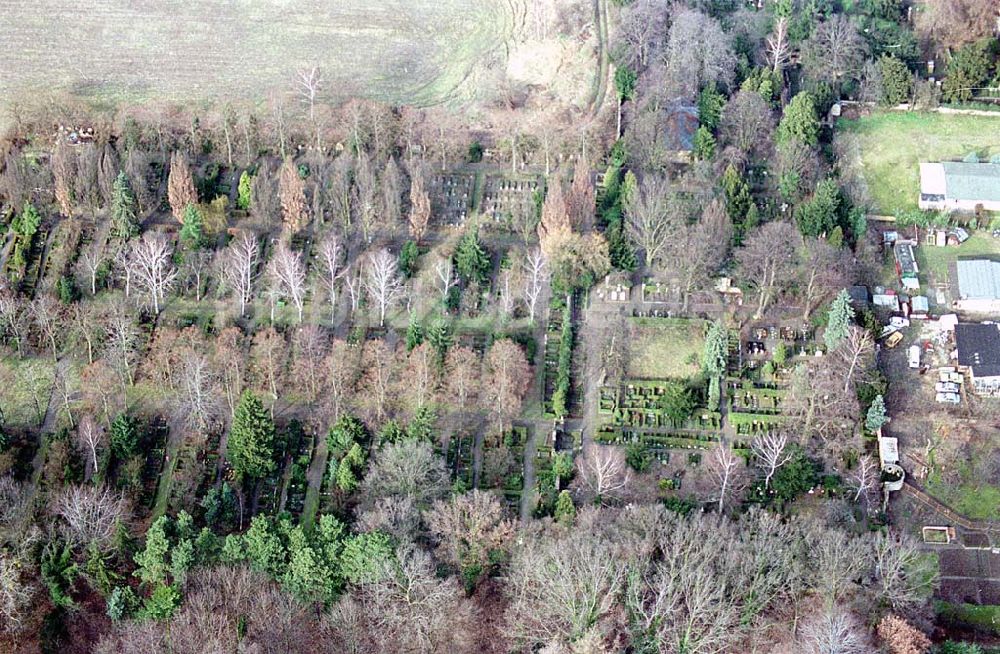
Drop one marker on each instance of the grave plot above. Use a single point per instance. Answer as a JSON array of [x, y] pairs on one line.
[[636, 414], [452, 197], [297, 482], [459, 458], [503, 465], [154, 444], [505, 198]]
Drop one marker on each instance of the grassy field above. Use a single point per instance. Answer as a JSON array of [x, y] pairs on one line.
[[889, 146], [181, 50], [936, 261], [665, 349]]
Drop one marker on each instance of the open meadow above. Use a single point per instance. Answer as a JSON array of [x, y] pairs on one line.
[[179, 50], [887, 149]]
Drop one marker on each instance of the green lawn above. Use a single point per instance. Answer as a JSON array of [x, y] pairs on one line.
[[935, 261], [972, 496], [889, 146], [985, 617], [665, 349], [25, 396]]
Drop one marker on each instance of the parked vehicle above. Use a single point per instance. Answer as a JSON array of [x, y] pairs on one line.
[[914, 356], [894, 339]]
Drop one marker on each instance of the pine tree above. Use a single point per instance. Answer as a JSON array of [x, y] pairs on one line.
[[471, 259], [799, 122], [838, 320], [306, 576], [414, 333], [192, 233], [876, 416], [565, 511], [716, 350], [704, 144], [122, 603], [251, 439], [124, 221], [364, 556], [124, 435], [245, 191], [263, 547], [152, 560], [180, 186]]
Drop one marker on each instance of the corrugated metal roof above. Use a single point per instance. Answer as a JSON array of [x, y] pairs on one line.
[[972, 181], [978, 279]]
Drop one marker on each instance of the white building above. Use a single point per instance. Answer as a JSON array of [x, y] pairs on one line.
[[959, 186]]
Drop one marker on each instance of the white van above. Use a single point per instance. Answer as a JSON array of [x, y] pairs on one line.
[[914, 356]]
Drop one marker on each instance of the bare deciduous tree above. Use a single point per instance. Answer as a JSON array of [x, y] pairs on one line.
[[239, 268], [152, 267], [905, 576], [835, 51], [652, 221], [331, 255], [309, 82], [507, 373], [725, 467], [199, 400], [90, 438], [286, 276], [444, 277], [91, 261], [291, 190], [470, 529], [834, 631], [382, 282], [603, 472], [698, 53], [46, 315], [408, 469], [747, 122], [766, 259], [777, 46], [560, 588], [865, 479], [823, 273], [536, 276], [771, 451], [90, 515]]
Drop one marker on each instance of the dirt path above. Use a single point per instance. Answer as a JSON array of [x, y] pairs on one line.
[[48, 425], [603, 56], [314, 478], [528, 496], [175, 438]]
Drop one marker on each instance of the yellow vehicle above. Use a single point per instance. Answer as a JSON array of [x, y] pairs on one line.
[[894, 339]]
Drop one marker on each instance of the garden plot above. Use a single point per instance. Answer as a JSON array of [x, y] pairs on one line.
[[452, 197], [665, 348], [503, 465], [505, 198]]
